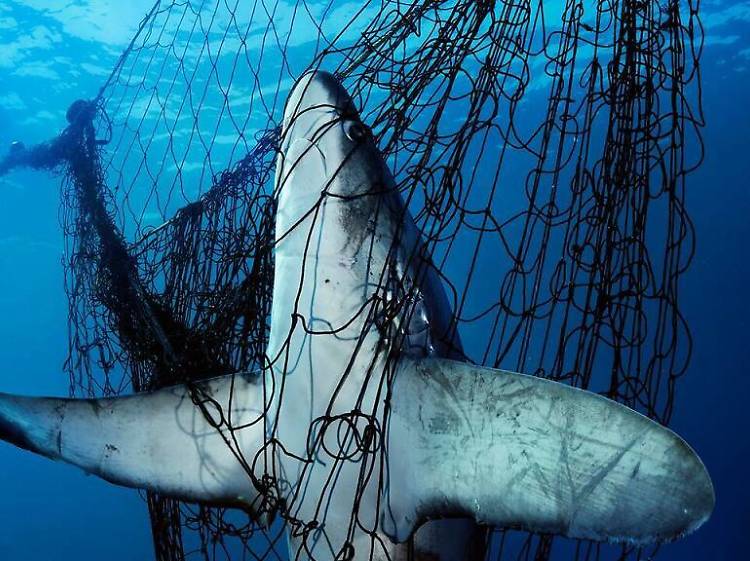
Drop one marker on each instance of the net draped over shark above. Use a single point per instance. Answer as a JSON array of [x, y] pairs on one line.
[[368, 420]]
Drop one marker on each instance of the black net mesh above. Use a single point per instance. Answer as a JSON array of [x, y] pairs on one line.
[[542, 148]]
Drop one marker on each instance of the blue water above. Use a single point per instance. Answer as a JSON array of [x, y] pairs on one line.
[[55, 51]]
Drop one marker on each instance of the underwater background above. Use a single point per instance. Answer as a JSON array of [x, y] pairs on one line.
[[53, 52]]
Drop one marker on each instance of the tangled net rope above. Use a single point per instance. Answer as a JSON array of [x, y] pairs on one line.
[[542, 150]]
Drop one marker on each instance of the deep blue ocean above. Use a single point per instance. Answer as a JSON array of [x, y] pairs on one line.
[[53, 52]]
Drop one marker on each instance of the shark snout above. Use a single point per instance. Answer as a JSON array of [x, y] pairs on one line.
[[317, 99]]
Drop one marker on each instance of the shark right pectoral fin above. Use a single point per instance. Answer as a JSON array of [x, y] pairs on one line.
[[517, 451]]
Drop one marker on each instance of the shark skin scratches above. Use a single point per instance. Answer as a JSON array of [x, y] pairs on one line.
[[561, 460]]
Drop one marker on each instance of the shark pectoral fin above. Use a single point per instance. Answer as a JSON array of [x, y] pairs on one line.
[[174, 441], [517, 451]]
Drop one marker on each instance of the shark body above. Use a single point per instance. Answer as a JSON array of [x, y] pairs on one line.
[[370, 426]]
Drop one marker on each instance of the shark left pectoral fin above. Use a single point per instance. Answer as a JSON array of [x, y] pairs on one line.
[[170, 441], [522, 452]]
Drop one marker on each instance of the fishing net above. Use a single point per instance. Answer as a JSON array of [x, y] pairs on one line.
[[542, 148]]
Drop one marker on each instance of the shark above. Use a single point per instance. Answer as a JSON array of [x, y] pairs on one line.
[[368, 428]]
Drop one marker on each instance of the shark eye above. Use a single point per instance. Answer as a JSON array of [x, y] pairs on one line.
[[355, 131]]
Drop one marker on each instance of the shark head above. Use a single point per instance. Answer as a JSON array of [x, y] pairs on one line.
[[321, 116], [325, 142], [340, 215]]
